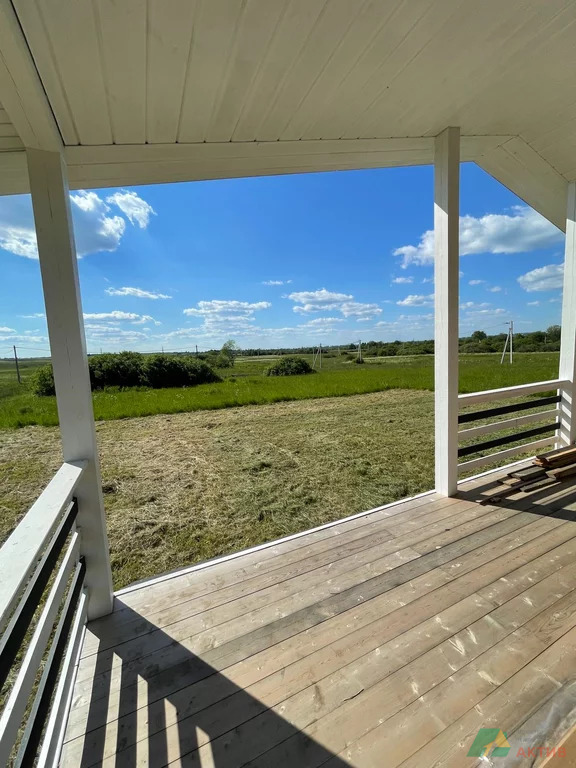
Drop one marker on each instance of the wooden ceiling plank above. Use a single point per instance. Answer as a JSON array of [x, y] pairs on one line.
[[123, 44], [215, 28], [256, 29], [290, 36], [169, 46], [326, 34]]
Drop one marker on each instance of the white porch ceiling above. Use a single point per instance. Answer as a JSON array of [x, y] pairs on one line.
[[163, 90]]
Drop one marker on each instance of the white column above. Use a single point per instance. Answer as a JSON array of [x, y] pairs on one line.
[[446, 269], [57, 251], [567, 433]]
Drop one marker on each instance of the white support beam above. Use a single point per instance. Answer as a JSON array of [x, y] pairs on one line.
[[23, 96], [446, 268], [57, 251], [567, 432]]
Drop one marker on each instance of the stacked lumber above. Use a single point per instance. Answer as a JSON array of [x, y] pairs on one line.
[[546, 469]]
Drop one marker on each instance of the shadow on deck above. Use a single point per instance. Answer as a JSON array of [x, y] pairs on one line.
[[384, 640]]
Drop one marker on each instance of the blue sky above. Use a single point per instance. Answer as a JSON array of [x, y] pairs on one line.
[[282, 261]]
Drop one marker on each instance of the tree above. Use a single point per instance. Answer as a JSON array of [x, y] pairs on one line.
[[553, 333], [226, 357], [478, 336]]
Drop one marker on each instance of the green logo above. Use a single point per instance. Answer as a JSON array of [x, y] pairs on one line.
[[490, 740]]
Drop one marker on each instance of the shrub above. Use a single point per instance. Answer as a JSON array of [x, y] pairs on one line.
[[289, 366], [359, 360], [161, 371], [122, 369], [43, 381]]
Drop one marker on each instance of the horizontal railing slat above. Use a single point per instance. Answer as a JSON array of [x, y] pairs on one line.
[[20, 553], [505, 439], [529, 448], [17, 628], [57, 720], [508, 392], [14, 709], [73, 607], [487, 413], [517, 421]]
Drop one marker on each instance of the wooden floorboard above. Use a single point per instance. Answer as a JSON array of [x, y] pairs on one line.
[[399, 633]]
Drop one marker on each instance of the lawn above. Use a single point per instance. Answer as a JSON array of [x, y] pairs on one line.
[[245, 385], [183, 488]]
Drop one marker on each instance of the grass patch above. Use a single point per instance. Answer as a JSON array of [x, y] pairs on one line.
[[179, 489], [477, 372]]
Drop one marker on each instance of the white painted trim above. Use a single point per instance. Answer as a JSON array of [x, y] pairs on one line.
[[567, 371], [518, 421], [23, 96], [509, 392], [259, 547], [15, 706], [59, 268], [61, 705], [20, 553], [526, 448], [446, 280]]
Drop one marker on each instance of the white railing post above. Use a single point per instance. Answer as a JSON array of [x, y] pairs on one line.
[[57, 251], [446, 276], [567, 431]]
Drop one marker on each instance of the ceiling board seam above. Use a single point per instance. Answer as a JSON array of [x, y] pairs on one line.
[[259, 69], [103, 68], [285, 77], [188, 65], [227, 70], [323, 67]]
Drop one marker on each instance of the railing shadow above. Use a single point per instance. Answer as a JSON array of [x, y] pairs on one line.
[[184, 712], [554, 500]]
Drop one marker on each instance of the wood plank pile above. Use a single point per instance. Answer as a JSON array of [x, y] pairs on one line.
[[546, 469]]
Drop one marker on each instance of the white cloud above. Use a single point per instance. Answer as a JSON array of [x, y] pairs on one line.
[[495, 289], [403, 280], [428, 280], [276, 282], [532, 303], [4, 329], [97, 227], [320, 321], [474, 305], [35, 316], [520, 231], [136, 292], [231, 317], [415, 300], [548, 278], [131, 204], [117, 315], [476, 282], [308, 302]]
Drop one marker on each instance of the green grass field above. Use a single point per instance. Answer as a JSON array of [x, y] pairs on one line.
[[245, 385]]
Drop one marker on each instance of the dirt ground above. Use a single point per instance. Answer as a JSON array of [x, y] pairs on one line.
[[182, 488]]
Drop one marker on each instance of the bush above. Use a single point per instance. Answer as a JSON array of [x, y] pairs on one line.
[[122, 369], [132, 369], [43, 381], [289, 366], [161, 371]]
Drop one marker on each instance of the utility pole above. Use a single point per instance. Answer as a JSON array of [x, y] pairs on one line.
[[360, 350], [17, 366], [509, 339]]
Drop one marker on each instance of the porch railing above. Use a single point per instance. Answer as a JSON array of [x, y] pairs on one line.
[[548, 421], [42, 615]]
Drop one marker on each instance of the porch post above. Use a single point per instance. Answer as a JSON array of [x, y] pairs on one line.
[[57, 251], [567, 432], [446, 278]]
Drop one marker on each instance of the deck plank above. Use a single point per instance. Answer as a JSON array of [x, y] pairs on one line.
[[426, 618]]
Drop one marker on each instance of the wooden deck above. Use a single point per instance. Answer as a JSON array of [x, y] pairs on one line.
[[383, 641]]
